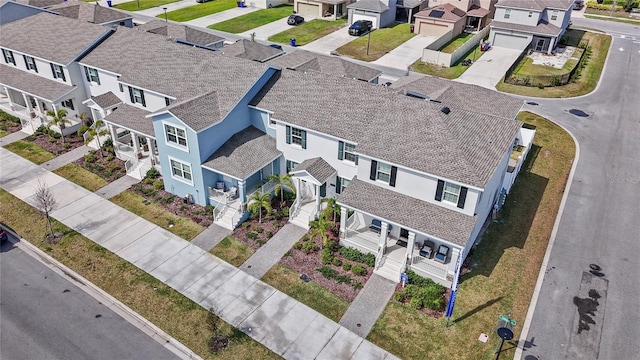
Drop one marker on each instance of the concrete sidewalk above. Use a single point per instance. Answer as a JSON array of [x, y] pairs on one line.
[[490, 68], [13, 137], [327, 44], [269, 254], [220, 17], [407, 53], [284, 325], [156, 11]]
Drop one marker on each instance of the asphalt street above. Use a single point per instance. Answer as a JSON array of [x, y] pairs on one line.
[[589, 303], [45, 316]]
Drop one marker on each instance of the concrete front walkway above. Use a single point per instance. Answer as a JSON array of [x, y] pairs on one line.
[[284, 325], [66, 158], [269, 254], [220, 17], [407, 53], [327, 44], [210, 237], [116, 187], [490, 68], [13, 137], [365, 309]]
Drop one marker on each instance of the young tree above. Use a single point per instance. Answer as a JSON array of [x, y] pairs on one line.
[[259, 201], [46, 203], [282, 182], [332, 209], [319, 227], [59, 119], [95, 132]]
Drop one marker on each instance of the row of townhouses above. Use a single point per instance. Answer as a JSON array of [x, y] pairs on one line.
[[421, 163]]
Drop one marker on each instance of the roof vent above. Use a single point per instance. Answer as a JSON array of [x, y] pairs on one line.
[[445, 110], [416, 95]]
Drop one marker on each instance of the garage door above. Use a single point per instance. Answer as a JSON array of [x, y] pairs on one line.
[[432, 29], [511, 41], [308, 10], [371, 18]]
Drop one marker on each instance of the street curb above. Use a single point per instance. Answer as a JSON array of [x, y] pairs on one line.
[[135, 319], [536, 291]]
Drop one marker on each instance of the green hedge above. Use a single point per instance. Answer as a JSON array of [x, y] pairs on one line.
[[422, 292], [358, 256], [596, 6]]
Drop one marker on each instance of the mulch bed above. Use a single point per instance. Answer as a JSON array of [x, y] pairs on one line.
[[108, 167], [255, 234], [10, 126], [56, 146]]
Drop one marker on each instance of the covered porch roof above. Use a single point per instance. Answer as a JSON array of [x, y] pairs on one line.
[[132, 118], [409, 4], [409, 212], [35, 85], [105, 101], [244, 153], [316, 169], [477, 11]]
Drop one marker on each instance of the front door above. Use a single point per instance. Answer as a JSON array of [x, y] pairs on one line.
[[540, 45], [323, 190]]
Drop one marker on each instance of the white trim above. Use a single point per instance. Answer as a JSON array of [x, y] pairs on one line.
[[260, 109], [220, 172], [172, 144], [106, 71], [178, 178]]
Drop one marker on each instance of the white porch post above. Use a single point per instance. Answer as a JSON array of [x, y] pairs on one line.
[[112, 131], [136, 146], [410, 13], [343, 222], [6, 91], [383, 235], [296, 184], [551, 44], [411, 242], [455, 252], [242, 190], [317, 189], [26, 101]]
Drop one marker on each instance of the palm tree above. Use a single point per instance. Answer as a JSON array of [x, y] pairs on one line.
[[332, 208], [95, 132], [320, 227], [259, 201], [282, 182], [59, 119]]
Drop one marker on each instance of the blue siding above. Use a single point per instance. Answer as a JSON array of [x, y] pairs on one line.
[[260, 119]]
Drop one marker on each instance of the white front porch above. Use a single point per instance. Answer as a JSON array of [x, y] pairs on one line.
[[138, 151]]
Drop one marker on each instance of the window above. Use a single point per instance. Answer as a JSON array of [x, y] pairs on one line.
[[68, 104], [175, 135], [530, 13], [92, 75], [181, 171], [57, 71], [507, 13], [168, 101], [121, 87], [341, 184], [8, 56], [451, 193], [30, 63], [296, 136], [383, 172], [137, 96], [554, 15], [291, 165], [346, 151]]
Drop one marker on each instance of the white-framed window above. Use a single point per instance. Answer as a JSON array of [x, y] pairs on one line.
[[296, 136], [383, 172], [181, 171], [30, 63], [58, 72], [92, 75], [341, 184], [554, 15], [8, 56], [507, 13], [167, 101], [451, 192], [291, 165], [530, 13], [68, 104], [347, 151], [137, 96], [176, 135]]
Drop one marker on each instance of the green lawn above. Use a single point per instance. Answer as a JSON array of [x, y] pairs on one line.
[[144, 4], [506, 264], [82, 177], [308, 31], [171, 311], [587, 81], [455, 43], [200, 10], [30, 151], [253, 20], [138, 205], [233, 251], [382, 41], [452, 72], [310, 294]]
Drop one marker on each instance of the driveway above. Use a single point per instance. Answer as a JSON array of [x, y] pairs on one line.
[[155, 11], [490, 68], [407, 53], [220, 17], [263, 32], [325, 45]]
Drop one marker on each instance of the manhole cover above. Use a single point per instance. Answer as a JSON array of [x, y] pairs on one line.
[[578, 113]]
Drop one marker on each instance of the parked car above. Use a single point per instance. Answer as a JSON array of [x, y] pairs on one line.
[[295, 20], [3, 235], [202, 1], [360, 27]]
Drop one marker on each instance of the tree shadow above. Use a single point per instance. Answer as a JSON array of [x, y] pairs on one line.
[[476, 309]]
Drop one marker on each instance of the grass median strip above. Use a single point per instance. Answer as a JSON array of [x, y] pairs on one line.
[[232, 251], [199, 10], [30, 151], [382, 41], [253, 20], [505, 263], [166, 308], [140, 206], [310, 294], [142, 4], [308, 31], [456, 42], [82, 177]]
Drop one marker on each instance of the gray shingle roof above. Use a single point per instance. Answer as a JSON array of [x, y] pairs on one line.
[[106, 100], [88, 12], [301, 60], [542, 28], [409, 4], [465, 96], [447, 12], [536, 4], [462, 145], [244, 153], [317, 168], [369, 5], [419, 215], [33, 84], [176, 31], [40, 3], [132, 118], [50, 37], [251, 50], [196, 112], [178, 71]]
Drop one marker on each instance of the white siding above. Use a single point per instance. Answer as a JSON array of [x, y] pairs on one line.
[[518, 16]]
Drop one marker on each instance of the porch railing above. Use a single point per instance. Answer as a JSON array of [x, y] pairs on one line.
[[130, 164], [144, 167], [265, 188], [220, 207], [295, 208], [379, 257], [429, 266]]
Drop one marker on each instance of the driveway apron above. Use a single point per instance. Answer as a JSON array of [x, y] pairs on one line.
[[407, 53], [490, 68]]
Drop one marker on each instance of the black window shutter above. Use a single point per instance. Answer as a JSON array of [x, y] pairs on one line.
[[340, 150], [323, 190], [394, 173], [133, 101], [62, 74], [356, 159], [374, 170], [25, 61], [338, 184], [439, 190], [463, 197], [86, 73], [53, 71], [142, 97], [4, 55], [35, 67], [288, 134]]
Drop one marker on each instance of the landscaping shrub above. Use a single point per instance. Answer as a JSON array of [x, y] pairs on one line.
[[268, 234], [7, 116], [326, 256], [298, 245], [308, 247], [90, 157], [357, 285], [251, 235], [359, 270], [328, 272], [605, 6], [158, 185], [82, 129], [422, 292], [336, 262], [346, 266], [153, 173], [275, 224], [358, 256]]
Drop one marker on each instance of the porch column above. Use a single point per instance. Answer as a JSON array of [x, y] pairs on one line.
[[26, 101], [136, 146], [410, 13], [343, 221], [112, 131], [6, 91], [411, 243], [551, 45], [296, 184], [455, 253], [317, 189], [383, 234], [242, 190]]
